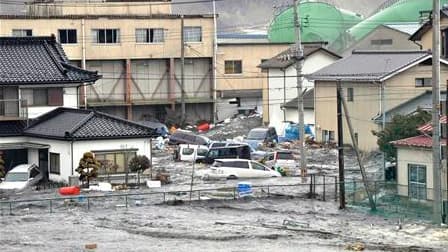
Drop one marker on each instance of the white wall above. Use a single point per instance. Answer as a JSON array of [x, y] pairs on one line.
[[70, 100], [64, 151], [279, 92], [293, 116]]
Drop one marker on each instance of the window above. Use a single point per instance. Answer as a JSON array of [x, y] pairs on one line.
[[22, 32], [149, 35], [256, 166], [106, 36], [67, 36], [356, 138], [114, 162], [42, 96], [193, 34], [187, 151], [233, 67], [381, 42], [423, 82], [417, 181], [327, 136], [55, 160], [350, 94]]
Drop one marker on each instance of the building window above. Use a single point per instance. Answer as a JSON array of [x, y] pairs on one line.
[[328, 136], [68, 36], [356, 138], [350, 94], [193, 34], [380, 42], [423, 82], [22, 32], [114, 161], [106, 36], [55, 163], [233, 67], [153, 35], [42, 96], [417, 181]]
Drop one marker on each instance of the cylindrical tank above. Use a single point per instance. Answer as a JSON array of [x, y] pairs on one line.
[[401, 11], [319, 22]]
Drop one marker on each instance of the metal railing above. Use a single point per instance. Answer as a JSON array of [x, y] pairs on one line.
[[316, 187], [13, 109]]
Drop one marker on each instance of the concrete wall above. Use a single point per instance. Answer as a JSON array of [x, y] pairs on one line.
[[251, 56], [90, 7], [127, 48]]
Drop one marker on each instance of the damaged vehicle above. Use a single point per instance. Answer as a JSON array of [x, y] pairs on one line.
[[239, 168], [21, 177], [262, 136]]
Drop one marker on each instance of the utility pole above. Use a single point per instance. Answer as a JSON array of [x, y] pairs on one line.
[[358, 155], [215, 54], [340, 148], [299, 63], [436, 164], [182, 69]]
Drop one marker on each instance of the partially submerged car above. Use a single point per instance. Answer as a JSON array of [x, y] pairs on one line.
[[239, 168], [21, 177], [282, 160], [190, 152], [187, 137], [262, 136], [234, 151]]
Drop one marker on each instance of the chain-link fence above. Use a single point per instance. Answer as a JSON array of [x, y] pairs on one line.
[[393, 200]]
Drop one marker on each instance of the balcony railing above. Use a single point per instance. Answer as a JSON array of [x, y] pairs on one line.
[[13, 109]]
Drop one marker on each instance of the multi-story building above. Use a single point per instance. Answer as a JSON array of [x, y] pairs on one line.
[[239, 79], [136, 46]]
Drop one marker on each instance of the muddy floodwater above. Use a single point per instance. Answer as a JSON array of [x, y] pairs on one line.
[[274, 224]]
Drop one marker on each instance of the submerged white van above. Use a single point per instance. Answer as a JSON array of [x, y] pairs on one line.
[[190, 152]]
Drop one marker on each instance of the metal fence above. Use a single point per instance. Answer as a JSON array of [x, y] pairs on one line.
[[393, 200], [314, 187]]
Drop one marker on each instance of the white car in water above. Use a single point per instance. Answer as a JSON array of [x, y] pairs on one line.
[[21, 177], [239, 168]]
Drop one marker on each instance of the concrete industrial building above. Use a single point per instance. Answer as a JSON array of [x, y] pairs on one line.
[[136, 47]]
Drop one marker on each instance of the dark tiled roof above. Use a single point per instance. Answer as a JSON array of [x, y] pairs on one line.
[[284, 59], [11, 128], [369, 65], [38, 60], [308, 101], [77, 124]]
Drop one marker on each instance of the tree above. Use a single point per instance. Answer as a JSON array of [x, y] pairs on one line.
[[138, 164], [401, 126], [88, 167], [2, 166]]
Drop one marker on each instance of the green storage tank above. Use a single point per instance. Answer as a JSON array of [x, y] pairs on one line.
[[320, 22], [401, 11]]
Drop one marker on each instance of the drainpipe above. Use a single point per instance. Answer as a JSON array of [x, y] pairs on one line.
[[284, 94], [83, 60], [71, 154], [383, 110]]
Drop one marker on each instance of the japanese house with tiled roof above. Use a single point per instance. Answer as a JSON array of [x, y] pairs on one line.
[[40, 121], [373, 82], [414, 164]]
